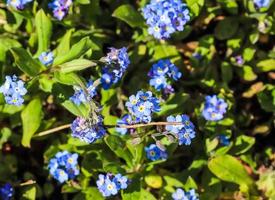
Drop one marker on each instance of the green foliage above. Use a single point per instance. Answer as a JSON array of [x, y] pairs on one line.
[[227, 49]]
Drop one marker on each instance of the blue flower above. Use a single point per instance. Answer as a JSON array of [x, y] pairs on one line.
[[13, 90], [165, 17], [261, 3], [158, 82], [179, 194], [6, 192], [46, 58], [224, 140], [142, 105], [154, 153], [121, 181], [214, 108], [184, 132], [18, 4], [117, 61], [86, 130], [110, 185], [125, 120], [80, 96], [162, 72], [64, 166], [60, 8]]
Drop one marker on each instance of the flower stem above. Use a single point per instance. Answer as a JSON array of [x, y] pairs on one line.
[[53, 130]]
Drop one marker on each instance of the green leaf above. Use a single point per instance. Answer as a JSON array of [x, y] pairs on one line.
[[25, 62], [5, 134], [78, 110], [226, 28], [267, 98], [29, 193], [75, 65], [5, 44], [68, 78], [195, 6], [44, 31], [31, 119], [118, 146], [243, 143], [266, 65], [228, 168], [76, 51], [246, 72], [64, 44], [138, 195], [129, 15], [154, 181]]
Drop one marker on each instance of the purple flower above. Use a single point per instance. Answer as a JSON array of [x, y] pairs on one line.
[[18, 4], [86, 130], [214, 108], [165, 17], [60, 8], [117, 61], [13, 90]]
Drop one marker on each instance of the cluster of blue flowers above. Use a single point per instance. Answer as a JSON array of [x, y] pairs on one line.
[[87, 130], [181, 195], [13, 90], [142, 105], [64, 166], [18, 4], [214, 108], [6, 192], [46, 58], [153, 153], [161, 72], [165, 17], [81, 96], [109, 184], [60, 8], [261, 3], [184, 132], [117, 62]]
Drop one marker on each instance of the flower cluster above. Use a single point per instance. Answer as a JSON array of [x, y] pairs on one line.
[[64, 166], [161, 72], [13, 90], [214, 108], [261, 3], [6, 192], [46, 58], [109, 184], [80, 96], [60, 8], [165, 17], [142, 105], [153, 152], [117, 62], [87, 130], [181, 195], [18, 4], [184, 132]]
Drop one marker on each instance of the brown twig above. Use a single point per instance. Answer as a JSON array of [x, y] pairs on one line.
[[53, 130], [65, 126]]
